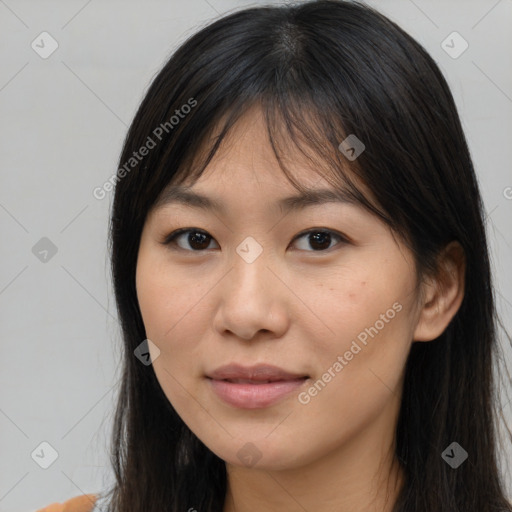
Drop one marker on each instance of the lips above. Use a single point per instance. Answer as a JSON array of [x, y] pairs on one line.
[[254, 387], [262, 373], [249, 381]]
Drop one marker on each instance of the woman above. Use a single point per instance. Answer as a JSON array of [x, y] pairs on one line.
[[302, 276]]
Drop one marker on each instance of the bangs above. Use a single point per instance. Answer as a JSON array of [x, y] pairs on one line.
[[297, 132]]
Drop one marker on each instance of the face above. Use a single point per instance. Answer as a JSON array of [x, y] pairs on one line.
[[323, 292]]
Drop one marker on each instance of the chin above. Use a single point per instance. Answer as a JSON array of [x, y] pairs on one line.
[[261, 454]]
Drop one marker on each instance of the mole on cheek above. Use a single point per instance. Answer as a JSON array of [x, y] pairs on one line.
[[353, 294]]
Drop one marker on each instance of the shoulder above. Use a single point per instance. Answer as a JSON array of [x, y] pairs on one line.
[[83, 503]]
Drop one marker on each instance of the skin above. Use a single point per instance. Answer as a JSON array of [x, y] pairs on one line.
[[297, 308]]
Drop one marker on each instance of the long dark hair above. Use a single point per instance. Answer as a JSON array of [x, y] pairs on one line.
[[320, 71]]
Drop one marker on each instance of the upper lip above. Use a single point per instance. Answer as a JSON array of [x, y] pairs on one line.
[[260, 372]]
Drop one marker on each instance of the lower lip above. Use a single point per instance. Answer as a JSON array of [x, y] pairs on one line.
[[254, 396]]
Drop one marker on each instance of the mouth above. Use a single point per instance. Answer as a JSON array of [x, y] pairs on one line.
[[254, 387], [255, 393], [257, 373], [259, 381]]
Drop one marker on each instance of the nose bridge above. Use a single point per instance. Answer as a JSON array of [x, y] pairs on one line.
[[249, 300], [249, 250], [250, 263]]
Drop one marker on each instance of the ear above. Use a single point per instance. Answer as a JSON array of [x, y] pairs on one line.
[[442, 295]]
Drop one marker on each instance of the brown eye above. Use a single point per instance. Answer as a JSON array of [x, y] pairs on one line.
[[320, 240], [197, 240]]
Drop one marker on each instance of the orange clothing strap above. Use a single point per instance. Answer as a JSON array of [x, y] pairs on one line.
[[83, 503]]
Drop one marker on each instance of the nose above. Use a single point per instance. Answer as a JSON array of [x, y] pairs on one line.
[[252, 298]]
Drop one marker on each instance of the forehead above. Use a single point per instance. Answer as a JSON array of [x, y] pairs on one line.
[[245, 165], [252, 144]]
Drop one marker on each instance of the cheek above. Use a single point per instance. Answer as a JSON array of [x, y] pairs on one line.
[[367, 316], [154, 296], [360, 365], [161, 297], [172, 320], [168, 320], [350, 301]]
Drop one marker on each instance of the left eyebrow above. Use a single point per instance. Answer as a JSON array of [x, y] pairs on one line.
[[314, 197]]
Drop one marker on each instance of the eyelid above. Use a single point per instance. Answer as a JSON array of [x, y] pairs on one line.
[[343, 240], [170, 238]]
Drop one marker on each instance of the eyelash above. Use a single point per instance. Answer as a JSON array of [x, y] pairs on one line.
[[170, 239]]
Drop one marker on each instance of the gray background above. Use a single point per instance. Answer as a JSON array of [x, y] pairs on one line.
[[63, 120]]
